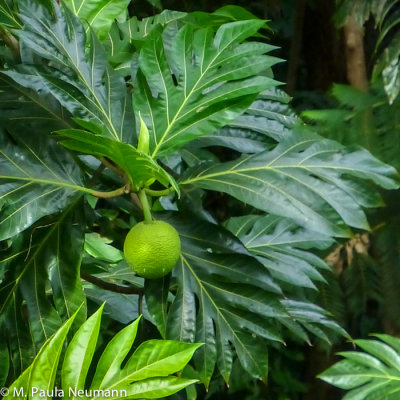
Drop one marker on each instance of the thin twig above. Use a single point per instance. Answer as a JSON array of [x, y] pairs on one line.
[[112, 287]]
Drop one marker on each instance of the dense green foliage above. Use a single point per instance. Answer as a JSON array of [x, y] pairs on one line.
[[107, 119]]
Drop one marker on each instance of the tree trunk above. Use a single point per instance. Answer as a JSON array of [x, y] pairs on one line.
[[355, 57]]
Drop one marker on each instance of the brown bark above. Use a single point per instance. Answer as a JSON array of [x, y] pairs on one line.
[[356, 68], [355, 56]]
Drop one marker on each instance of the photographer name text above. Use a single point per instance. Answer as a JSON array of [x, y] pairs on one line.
[[71, 392]]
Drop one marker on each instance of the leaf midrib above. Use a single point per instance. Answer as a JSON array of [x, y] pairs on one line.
[[43, 243], [47, 182], [186, 98], [200, 283], [82, 79]]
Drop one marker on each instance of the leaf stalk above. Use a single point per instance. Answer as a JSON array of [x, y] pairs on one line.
[[108, 195], [159, 193]]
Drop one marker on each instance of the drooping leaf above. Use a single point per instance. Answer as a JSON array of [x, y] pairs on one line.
[[47, 257], [313, 181], [139, 167], [280, 245], [64, 251], [37, 178], [227, 299]]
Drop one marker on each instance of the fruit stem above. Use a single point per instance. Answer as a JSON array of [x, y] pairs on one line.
[[146, 207], [158, 193]]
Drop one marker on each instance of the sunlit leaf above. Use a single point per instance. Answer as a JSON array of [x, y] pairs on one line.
[[99, 15], [146, 374], [371, 374]]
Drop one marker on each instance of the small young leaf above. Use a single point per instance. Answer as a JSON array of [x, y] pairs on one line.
[[144, 138]]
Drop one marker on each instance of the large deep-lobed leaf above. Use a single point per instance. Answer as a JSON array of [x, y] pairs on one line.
[[37, 178], [266, 121], [373, 374], [192, 82], [8, 15], [47, 257], [81, 81], [24, 109], [314, 181], [282, 247], [148, 372], [227, 299]]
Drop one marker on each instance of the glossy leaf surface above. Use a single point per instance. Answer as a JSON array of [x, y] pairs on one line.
[[371, 374], [217, 78], [146, 374]]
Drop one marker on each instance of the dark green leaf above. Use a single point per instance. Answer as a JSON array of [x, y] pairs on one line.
[[84, 84], [156, 295], [224, 285], [37, 178], [313, 181], [280, 244], [42, 252]]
